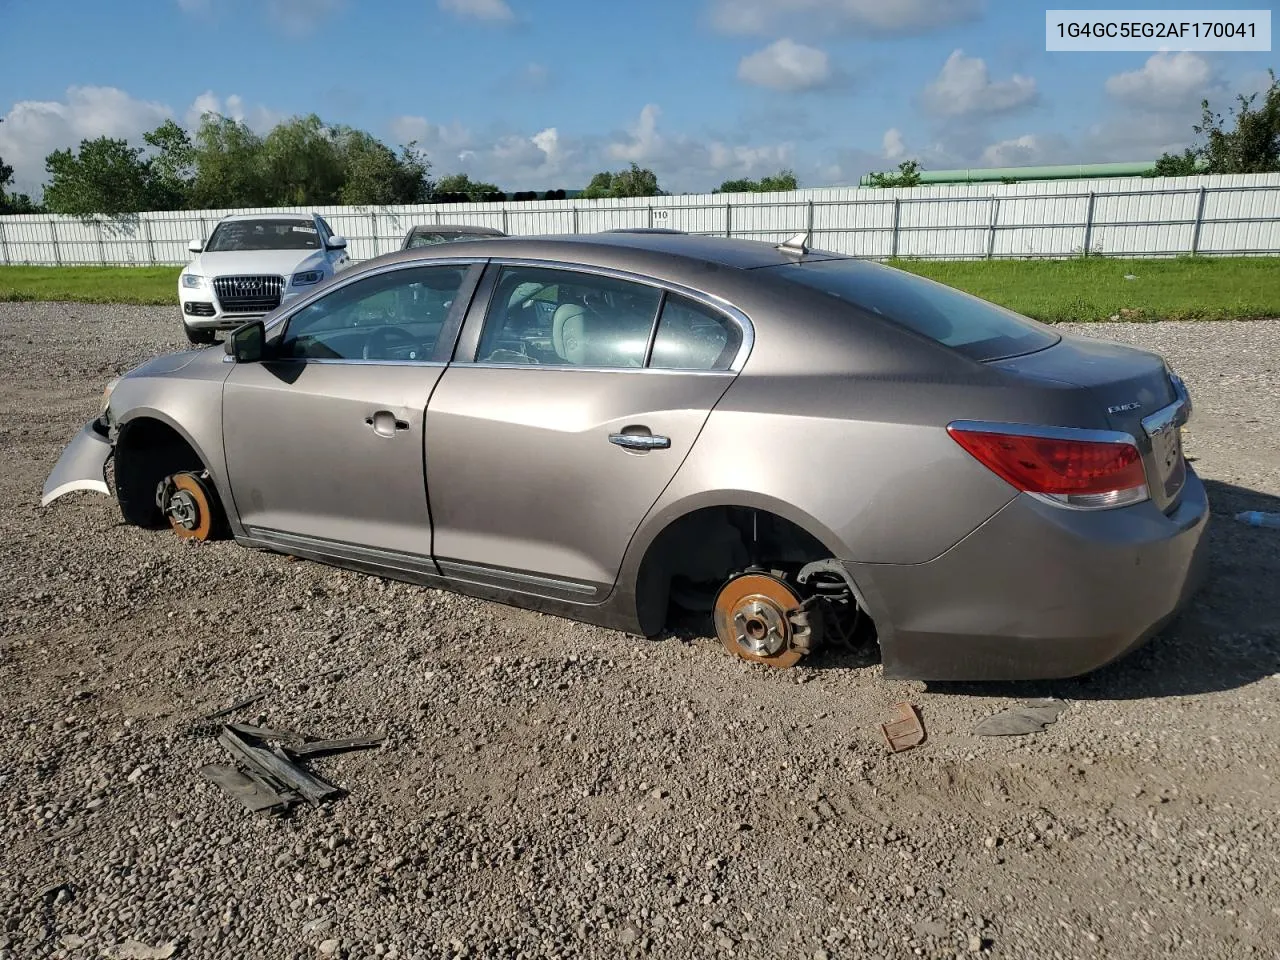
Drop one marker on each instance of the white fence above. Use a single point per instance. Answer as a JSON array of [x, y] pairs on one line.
[[1211, 215]]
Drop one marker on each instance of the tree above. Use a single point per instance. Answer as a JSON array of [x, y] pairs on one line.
[[105, 176], [375, 176], [13, 202], [779, 182], [1251, 146], [460, 188], [634, 182], [228, 160], [908, 175], [172, 165], [301, 164]]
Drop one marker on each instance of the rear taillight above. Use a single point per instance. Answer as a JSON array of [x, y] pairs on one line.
[[1084, 469]]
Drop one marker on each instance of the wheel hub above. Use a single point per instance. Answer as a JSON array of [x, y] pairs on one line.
[[183, 510], [756, 617], [187, 504]]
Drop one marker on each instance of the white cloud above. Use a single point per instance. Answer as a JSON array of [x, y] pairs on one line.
[[548, 158], [1020, 151], [964, 87], [895, 148], [1165, 81], [786, 65], [489, 11], [877, 16], [35, 128], [259, 118]]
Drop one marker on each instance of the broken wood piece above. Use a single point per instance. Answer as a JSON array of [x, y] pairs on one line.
[[256, 795], [238, 705], [277, 768], [319, 748], [905, 730]]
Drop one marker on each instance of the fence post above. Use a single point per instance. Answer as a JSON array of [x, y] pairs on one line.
[[373, 233], [102, 250], [991, 230], [897, 217], [505, 222], [437, 216], [575, 219], [728, 220], [650, 214], [1088, 223], [204, 231], [53, 233], [4, 244], [1195, 232], [151, 246], [808, 223]]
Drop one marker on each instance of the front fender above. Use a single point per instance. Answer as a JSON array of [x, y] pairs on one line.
[[82, 465]]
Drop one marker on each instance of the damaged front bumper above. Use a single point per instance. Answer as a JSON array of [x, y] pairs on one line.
[[82, 466]]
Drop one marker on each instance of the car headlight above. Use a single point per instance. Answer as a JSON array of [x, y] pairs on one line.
[[307, 277], [192, 281]]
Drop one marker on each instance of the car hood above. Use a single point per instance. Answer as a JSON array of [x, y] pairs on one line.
[[251, 262], [190, 363]]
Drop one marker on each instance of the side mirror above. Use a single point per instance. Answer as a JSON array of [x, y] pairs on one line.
[[247, 342], [337, 243], [195, 246]]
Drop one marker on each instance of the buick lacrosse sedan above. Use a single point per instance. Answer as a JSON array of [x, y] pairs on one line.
[[796, 445]]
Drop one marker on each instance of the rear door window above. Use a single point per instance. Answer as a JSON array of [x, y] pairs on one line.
[[971, 326], [567, 318]]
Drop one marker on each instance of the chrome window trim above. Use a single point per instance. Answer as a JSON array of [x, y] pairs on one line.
[[713, 302], [575, 368]]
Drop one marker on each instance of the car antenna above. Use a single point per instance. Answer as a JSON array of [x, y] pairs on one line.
[[797, 245]]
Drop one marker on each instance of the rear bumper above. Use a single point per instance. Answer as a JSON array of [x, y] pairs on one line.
[[1038, 592], [82, 466]]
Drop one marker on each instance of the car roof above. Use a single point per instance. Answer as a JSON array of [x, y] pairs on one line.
[[637, 251], [267, 216], [456, 228]]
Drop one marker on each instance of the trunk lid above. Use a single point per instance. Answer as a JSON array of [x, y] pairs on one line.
[[1128, 390]]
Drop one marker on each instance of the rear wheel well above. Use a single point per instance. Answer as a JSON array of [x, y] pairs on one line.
[[147, 451], [692, 558]]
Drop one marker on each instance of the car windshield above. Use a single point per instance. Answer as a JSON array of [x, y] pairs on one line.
[[423, 239], [976, 328], [264, 235]]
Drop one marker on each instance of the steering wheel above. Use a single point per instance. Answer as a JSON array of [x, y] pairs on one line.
[[379, 340]]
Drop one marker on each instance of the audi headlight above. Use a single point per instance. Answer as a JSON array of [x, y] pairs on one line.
[[307, 278], [192, 281]]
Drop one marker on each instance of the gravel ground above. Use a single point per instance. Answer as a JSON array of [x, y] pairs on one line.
[[552, 789]]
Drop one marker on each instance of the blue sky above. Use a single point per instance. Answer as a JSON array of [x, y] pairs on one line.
[[538, 94]]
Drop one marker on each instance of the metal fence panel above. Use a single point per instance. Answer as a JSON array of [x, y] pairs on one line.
[[1212, 215]]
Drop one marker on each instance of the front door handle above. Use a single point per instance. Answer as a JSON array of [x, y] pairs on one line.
[[640, 441], [385, 423]]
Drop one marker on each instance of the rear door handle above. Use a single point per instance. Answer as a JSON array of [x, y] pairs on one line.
[[385, 423], [640, 441]]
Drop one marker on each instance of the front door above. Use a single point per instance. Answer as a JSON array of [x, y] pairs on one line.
[[324, 443], [546, 451]]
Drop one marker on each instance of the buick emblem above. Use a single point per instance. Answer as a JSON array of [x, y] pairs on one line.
[[1125, 407]]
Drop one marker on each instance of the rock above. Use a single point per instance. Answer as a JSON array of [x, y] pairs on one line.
[[328, 948], [627, 935], [72, 941], [930, 928], [975, 943]]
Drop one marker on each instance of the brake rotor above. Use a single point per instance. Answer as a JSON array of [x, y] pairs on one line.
[[753, 620], [189, 507]]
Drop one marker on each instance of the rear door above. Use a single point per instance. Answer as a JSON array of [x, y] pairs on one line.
[[324, 445], [573, 399]]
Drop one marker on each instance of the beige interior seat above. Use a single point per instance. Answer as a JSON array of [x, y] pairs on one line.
[[568, 333]]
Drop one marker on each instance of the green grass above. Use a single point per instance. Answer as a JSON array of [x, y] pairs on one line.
[[1189, 288], [145, 285]]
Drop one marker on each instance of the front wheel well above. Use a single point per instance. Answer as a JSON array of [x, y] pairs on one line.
[[146, 451], [693, 556]]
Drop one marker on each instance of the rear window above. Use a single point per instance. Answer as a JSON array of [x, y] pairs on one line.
[[971, 326]]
